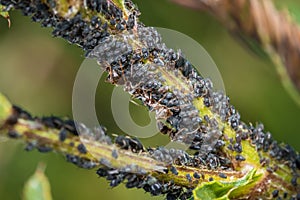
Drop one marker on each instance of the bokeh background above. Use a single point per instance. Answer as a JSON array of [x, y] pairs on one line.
[[37, 73]]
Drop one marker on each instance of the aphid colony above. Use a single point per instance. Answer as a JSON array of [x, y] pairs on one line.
[[131, 174], [146, 182], [136, 59], [138, 70], [81, 29], [67, 130], [89, 33]]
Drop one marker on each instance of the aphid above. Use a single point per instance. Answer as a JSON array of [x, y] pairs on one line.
[[222, 175], [145, 53], [102, 172], [86, 164], [238, 147], [122, 142], [44, 149], [188, 177], [133, 181], [186, 195], [174, 170], [22, 113], [71, 158], [220, 143], [13, 134], [240, 158], [211, 179], [270, 169], [213, 161], [294, 181], [48, 121], [150, 180], [112, 22], [129, 143], [174, 192], [69, 125], [117, 180], [238, 138], [196, 175], [62, 135], [120, 27], [82, 149], [135, 145], [275, 193], [30, 146], [155, 189], [114, 154], [207, 102], [57, 122], [163, 128], [171, 196]]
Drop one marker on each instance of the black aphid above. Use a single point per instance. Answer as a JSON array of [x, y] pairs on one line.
[[29, 147], [129, 143], [63, 135], [238, 147], [122, 142], [285, 194], [102, 172], [240, 158], [222, 175], [117, 180], [44, 149], [114, 154], [196, 175], [82, 149], [48, 121], [70, 126], [132, 181], [294, 181], [275, 193], [13, 134], [135, 145], [71, 158], [188, 177], [155, 189], [22, 113], [174, 170]]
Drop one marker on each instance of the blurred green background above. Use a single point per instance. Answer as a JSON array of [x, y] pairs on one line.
[[37, 73]]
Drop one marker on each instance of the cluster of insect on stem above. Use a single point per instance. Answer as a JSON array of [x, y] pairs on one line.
[[136, 57]]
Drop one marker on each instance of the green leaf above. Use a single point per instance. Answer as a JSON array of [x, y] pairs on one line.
[[223, 190], [4, 14], [37, 187]]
